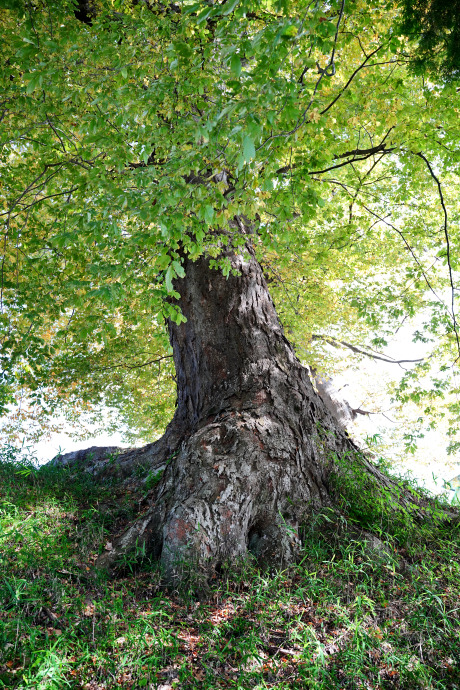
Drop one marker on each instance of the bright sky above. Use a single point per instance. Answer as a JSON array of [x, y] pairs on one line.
[[365, 388]]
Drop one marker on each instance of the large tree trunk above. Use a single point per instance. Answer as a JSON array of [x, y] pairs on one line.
[[253, 440], [254, 460], [249, 452]]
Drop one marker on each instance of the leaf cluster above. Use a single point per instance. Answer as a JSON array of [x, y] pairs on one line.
[[435, 27], [140, 136]]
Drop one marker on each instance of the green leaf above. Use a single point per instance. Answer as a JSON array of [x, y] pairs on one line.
[[169, 275], [249, 150], [178, 268], [203, 16], [209, 214], [290, 31], [230, 7], [34, 81], [268, 185], [183, 49], [235, 65]]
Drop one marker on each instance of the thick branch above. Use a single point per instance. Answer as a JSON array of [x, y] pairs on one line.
[[382, 151]]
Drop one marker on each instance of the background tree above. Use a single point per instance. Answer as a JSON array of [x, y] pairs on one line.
[[156, 160]]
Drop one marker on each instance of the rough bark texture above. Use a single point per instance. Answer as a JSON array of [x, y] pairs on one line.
[[256, 460], [252, 440], [249, 452]]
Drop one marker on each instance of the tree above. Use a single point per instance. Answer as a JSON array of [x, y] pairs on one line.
[[157, 160], [435, 25]]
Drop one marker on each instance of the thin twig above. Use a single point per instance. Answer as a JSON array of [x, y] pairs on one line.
[[446, 235], [132, 366], [390, 225], [362, 65]]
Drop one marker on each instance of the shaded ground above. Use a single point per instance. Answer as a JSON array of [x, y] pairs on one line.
[[347, 616]]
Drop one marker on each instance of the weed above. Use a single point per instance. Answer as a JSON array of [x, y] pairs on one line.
[[153, 478]]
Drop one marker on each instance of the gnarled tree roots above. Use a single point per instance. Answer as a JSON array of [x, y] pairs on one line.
[[238, 485]]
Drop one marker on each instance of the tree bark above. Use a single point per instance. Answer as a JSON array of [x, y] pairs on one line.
[[253, 440], [249, 453]]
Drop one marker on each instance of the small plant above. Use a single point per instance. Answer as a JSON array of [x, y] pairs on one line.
[[131, 560], [153, 478], [112, 457]]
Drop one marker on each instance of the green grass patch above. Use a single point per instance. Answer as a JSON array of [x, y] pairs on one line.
[[347, 616]]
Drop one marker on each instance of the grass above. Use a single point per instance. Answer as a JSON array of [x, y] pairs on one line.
[[346, 617]]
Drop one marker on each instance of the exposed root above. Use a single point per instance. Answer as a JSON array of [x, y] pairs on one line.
[[201, 535], [138, 539], [122, 463], [225, 496]]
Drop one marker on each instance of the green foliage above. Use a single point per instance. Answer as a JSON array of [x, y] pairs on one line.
[[345, 617], [152, 479], [435, 25], [131, 141]]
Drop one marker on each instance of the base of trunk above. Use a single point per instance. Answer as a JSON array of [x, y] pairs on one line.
[[237, 485], [242, 486]]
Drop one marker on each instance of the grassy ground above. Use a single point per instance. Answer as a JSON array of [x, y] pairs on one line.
[[347, 617]]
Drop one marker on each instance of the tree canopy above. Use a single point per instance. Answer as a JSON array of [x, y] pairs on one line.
[[435, 26], [133, 133]]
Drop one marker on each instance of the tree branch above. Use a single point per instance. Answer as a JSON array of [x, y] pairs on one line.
[[390, 225], [363, 153], [363, 64], [373, 151], [446, 235], [133, 366], [337, 343]]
